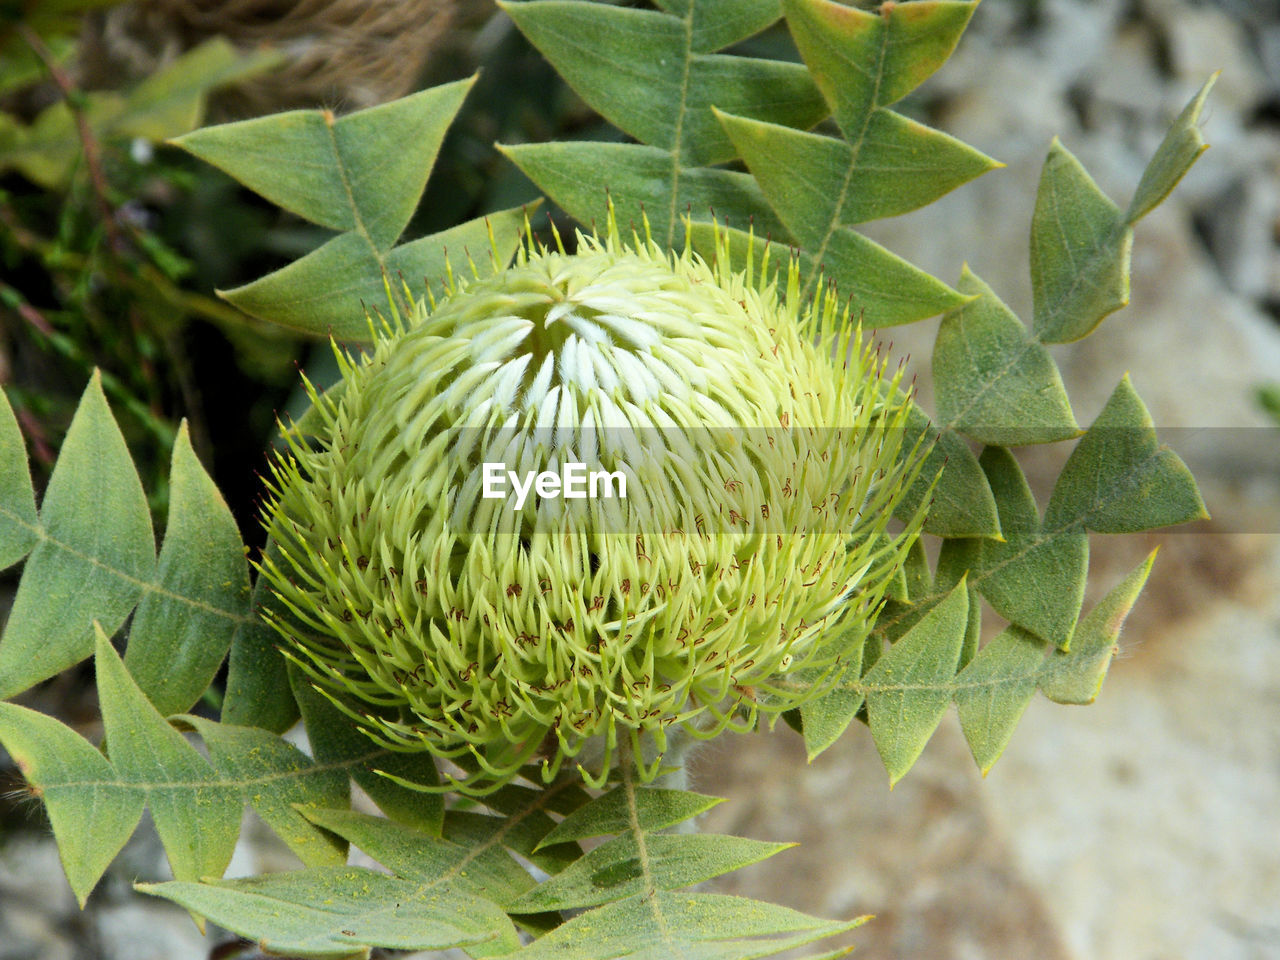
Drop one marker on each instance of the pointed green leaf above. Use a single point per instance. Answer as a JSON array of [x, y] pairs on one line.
[[95, 555], [323, 911], [961, 501], [656, 809], [917, 573], [897, 588], [91, 814], [335, 740], [258, 693], [582, 176], [883, 289], [993, 382], [1181, 147], [1119, 479], [364, 172], [487, 839], [993, 691], [897, 166], [19, 525], [198, 818], [827, 717], [482, 242], [480, 869], [1080, 247], [607, 53], [1076, 676], [973, 632], [908, 688], [1034, 578], [616, 869], [771, 90], [328, 292], [715, 24], [46, 151], [897, 617], [862, 60], [182, 629], [705, 926], [958, 558], [954, 564], [172, 101], [527, 812], [280, 783]]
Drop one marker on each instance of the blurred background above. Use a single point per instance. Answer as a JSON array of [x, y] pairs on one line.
[[1145, 827]]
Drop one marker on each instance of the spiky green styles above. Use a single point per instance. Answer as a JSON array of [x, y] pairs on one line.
[[762, 464]]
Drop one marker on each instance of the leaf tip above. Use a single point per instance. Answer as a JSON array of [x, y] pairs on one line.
[[102, 643]]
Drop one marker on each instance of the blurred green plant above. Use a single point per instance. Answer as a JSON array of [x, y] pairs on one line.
[[712, 129], [1269, 400], [90, 278]]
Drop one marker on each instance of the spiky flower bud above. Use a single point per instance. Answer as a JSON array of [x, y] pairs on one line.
[[760, 451]]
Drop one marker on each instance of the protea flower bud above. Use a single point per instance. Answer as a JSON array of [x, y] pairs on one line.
[[752, 455]]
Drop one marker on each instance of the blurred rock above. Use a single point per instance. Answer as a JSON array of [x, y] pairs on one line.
[[1148, 820], [1204, 39], [148, 929], [926, 859], [35, 903], [1243, 235]]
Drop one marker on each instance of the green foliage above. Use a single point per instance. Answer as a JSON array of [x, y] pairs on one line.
[[671, 56], [465, 889], [456, 873], [183, 627], [805, 189], [86, 565], [167, 104], [258, 691], [1269, 400], [94, 802], [911, 685], [444, 891], [905, 690], [95, 271], [995, 383], [19, 524], [362, 174], [1080, 240]]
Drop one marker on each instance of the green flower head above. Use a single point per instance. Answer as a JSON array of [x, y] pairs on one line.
[[715, 468]]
